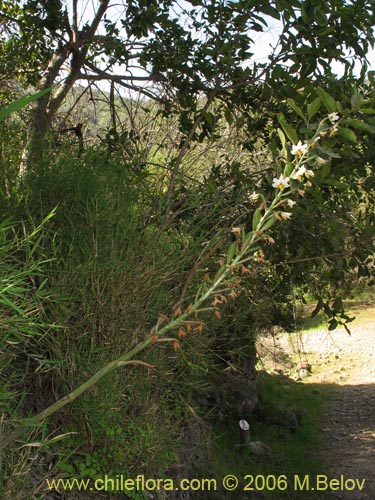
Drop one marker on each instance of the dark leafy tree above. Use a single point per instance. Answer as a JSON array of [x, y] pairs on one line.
[[176, 54]]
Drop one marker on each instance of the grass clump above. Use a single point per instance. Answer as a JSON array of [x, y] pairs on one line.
[[111, 272]]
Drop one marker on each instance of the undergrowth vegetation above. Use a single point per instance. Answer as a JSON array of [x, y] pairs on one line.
[[111, 277]]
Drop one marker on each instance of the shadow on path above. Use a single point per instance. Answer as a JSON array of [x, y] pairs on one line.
[[348, 437]]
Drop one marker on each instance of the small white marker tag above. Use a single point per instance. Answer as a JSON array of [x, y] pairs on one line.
[[244, 424]]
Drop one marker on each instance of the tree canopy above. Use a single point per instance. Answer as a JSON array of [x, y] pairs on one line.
[[179, 52]]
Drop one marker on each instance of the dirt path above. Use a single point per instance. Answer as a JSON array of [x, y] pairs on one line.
[[347, 365]]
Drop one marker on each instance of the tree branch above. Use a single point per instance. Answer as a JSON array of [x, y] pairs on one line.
[[79, 52], [115, 78]]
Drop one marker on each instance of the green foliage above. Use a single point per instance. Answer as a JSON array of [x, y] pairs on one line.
[[26, 345], [23, 292], [20, 103], [321, 224], [109, 295], [198, 50]]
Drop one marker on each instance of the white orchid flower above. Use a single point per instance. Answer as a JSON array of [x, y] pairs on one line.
[[299, 149], [285, 215], [300, 173], [281, 182], [333, 117]]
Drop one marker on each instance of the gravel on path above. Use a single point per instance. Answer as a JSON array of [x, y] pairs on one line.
[[348, 434]]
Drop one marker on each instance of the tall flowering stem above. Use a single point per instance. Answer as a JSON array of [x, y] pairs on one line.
[[295, 178]]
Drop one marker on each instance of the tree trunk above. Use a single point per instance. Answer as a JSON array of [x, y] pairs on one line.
[[41, 118], [45, 109], [36, 146]]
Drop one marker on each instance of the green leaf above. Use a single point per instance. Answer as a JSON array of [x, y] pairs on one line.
[[270, 11], [283, 141], [367, 232], [4, 300], [256, 218], [290, 132], [318, 307], [347, 134], [231, 252], [371, 77], [332, 324], [327, 100], [360, 125], [288, 169], [292, 103], [337, 305], [229, 116], [356, 100], [347, 329], [208, 117], [313, 107], [20, 103], [327, 310], [269, 222]]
